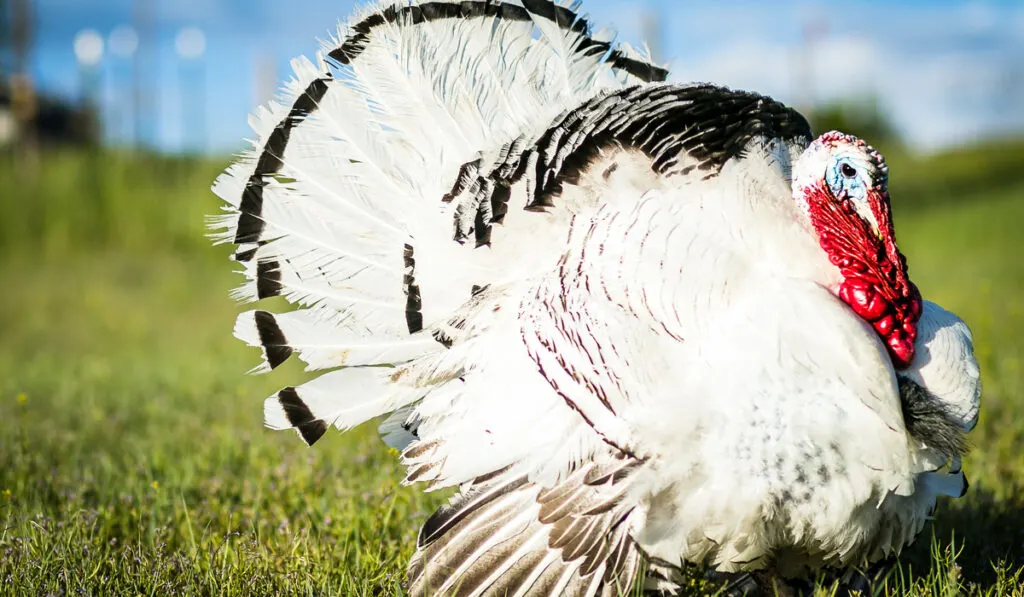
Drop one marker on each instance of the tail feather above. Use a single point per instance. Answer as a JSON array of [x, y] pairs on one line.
[[343, 398], [353, 310], [321, 344], [341, 207]]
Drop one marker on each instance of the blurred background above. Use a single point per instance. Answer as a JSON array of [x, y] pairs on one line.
[[179, 76], [129, 424], [174, 81]]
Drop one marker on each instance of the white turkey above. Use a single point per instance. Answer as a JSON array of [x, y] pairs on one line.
[[639, 325]]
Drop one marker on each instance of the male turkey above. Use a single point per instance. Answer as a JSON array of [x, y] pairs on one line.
[[631, 321]]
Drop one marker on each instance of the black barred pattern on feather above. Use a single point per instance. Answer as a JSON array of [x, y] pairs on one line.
[[550, 358], [565, 17], [245, 256], [310, 429], [709, 124], [413, 302], [268, 279], [250, 224], [275, 345]]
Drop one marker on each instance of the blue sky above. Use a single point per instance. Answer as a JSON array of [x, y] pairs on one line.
[[947, 72]]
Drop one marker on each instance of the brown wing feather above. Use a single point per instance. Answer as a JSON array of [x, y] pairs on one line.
[[507, 537]]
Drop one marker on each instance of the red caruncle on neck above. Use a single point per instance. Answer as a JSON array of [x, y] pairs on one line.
[[875, 282]]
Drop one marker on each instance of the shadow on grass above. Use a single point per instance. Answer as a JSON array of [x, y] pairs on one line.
[[984, 532]]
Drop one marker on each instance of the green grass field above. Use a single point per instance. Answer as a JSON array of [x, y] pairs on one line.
[[134, 457]]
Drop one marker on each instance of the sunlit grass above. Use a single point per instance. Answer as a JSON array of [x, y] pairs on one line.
[[135, 457], [64, 202], [968, 258], [135, 461]]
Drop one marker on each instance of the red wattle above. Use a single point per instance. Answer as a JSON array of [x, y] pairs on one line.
[[914, 304], [885, 325], [875, 307], [901, 349], [864, 298], [875, 282]]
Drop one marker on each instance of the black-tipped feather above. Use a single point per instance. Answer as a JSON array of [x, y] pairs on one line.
[[275, 345], [413, 300], [301, 417], [710, 125], [271, 159], [566, 19], [268, 279]]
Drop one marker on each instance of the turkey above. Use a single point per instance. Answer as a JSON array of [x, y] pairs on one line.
[[639, 325]]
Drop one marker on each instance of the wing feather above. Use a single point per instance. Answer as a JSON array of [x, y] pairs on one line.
[[491, 540]]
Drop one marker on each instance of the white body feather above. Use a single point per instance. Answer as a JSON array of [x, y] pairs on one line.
[[683, 322]]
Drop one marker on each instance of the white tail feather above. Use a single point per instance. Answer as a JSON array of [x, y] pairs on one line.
[[360, 400], [339, 208], [321, 344]]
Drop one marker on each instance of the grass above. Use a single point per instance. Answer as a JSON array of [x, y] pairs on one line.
[[67, 202], [135, 462]]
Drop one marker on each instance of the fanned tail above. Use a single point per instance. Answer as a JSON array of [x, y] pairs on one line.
[[350, 203]]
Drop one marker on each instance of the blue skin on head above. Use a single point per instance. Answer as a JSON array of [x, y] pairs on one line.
[[844, 180]]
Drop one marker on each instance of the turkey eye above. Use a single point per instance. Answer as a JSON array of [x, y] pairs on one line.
[[848, 171]]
